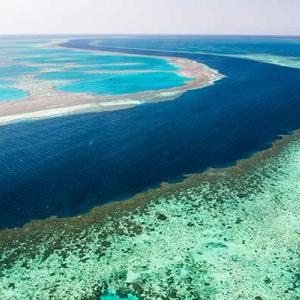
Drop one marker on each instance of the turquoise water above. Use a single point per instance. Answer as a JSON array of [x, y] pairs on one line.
[[116, 297], [16, 71], [64, 75], [9, 76], [82, 58], [131, 66], [10, 94], [6, 82], [46, 60], [26, 57], [124, 83]]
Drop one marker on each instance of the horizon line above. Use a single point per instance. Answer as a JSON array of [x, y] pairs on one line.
[[153, 34]]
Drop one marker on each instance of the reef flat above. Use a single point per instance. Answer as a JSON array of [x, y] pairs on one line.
[[283, 61], [225, 234], [52, 81]]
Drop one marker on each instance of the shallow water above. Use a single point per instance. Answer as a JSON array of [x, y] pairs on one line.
[[128, 66], [116, 297], [125, 83], [11, 94], [27, 60], [6, 82], [16, 71]]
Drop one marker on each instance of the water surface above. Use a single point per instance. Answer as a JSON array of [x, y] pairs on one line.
[[91, 159]]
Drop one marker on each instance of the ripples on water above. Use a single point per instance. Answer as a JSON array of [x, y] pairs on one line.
[[91, 159], [223, 235]]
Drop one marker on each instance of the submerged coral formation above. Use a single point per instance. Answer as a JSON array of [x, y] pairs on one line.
[[224, 234], [50, 80]]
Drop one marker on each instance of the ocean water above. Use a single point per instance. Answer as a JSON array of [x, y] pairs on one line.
[[284, 51], [125, 83], [284, 46], [114, 83], [91, 159], [14, 71], [205, 237], [67, 56], [63, 75], [6, 82], [11, 94], [8, 78], [129, 66]]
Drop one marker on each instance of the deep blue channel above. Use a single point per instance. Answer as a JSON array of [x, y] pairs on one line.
[[65, 166]]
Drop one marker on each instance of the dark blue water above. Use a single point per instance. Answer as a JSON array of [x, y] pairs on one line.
[[64, 166], [276, 45]]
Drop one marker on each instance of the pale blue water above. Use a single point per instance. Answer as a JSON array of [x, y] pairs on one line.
[[6, 82]]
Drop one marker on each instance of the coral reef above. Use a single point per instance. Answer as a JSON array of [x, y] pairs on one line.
[[225, 234]]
